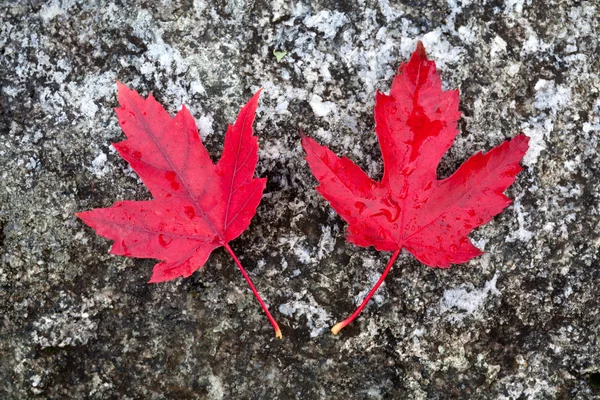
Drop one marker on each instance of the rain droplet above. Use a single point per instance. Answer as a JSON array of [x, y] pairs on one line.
[[360, 206], [189, 211], [453, 248], [170, 175], [404, 191], [386, 213], [391, 215], [137, 154], [164, 241], [408, 170], [126, 251]]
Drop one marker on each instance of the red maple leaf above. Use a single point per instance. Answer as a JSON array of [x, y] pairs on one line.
[[197, 206], [410, 208]]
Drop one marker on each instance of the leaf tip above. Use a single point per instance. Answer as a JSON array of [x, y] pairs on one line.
[[521, 137], [420, 51], [82, 215], [301, 133], [120, 85], [154, 279], [256, 95], [159, 275], [519, 145]]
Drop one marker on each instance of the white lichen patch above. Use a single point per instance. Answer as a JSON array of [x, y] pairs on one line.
[[550, 99], [216, 390], [521, 233], [461, 302], [99, 166], [205, 126], [438, 48], [327, 22], [498, 47], [318, 319], [538, 131], [550, 96], [321, 108], [55, 8], [327, 241]]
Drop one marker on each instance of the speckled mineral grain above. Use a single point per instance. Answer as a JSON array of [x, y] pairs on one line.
[[520, 322]]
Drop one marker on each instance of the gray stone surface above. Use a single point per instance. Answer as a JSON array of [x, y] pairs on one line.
[[520, 322]]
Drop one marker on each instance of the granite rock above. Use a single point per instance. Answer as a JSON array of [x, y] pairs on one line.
[[520, 322]]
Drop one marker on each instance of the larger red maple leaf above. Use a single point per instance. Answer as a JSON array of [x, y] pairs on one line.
[[198, 206], [410, 208]]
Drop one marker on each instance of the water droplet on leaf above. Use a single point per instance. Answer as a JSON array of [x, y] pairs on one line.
[[189, 211], [164, 241]]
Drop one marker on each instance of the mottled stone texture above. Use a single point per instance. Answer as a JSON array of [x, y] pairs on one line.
[[520, 322]]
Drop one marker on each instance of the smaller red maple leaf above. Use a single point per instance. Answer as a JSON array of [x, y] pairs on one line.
[[197, 206], [410, 208]]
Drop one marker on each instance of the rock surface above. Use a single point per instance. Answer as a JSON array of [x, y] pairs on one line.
[[520, 322]]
